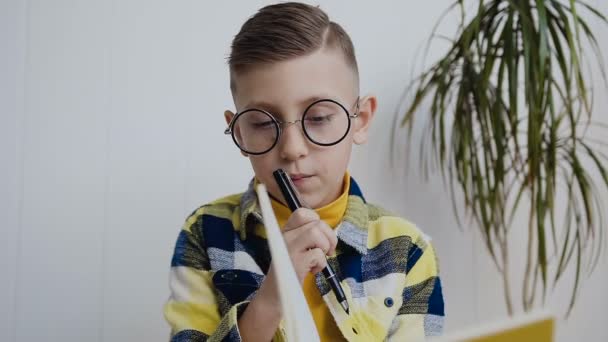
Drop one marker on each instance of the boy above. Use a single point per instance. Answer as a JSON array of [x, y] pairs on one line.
[[295, 85]]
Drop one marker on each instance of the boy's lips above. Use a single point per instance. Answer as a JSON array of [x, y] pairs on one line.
[[298, 176], [300, 179]]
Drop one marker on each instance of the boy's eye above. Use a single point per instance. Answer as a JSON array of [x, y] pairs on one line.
[[262, 124], [319, 118], [257, 120]]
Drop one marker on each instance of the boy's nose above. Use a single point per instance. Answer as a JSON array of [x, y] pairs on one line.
[[293, 145]]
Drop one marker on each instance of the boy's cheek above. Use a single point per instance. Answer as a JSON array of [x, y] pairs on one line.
[[360, 138]]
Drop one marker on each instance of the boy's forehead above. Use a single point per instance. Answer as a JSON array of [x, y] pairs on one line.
[[301, 80]]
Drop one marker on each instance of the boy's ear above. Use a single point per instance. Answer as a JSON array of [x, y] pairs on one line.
[[228, 115], [367, 109]]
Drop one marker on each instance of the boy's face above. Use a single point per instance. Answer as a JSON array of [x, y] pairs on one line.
[[285, 89]]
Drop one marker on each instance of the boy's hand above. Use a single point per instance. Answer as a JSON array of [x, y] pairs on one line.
[[308, 241]]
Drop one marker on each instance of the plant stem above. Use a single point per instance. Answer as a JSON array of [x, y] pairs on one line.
[[526, 300], [505, 276]]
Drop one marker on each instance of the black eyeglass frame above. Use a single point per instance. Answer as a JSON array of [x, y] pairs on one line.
[[279, 124]]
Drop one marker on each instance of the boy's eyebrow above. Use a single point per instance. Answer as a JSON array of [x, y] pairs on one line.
[[269, 106]]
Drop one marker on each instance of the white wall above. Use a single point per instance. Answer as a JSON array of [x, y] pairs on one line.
[[111, 134]]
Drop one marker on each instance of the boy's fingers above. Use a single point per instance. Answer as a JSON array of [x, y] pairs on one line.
[[331, 236], [307, 220], [316, 260], [309, 236], [299, 218]]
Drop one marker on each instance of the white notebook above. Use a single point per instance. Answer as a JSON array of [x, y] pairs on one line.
[[297, 319]]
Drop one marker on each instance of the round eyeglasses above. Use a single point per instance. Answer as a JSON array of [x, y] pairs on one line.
[[324, 122]]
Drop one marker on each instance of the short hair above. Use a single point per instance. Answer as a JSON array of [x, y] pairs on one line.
[[284, 31]]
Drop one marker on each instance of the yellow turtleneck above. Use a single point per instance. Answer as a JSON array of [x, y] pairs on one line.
[[332, 215]]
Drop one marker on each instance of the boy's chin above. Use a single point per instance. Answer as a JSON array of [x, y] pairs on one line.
[[315, 202]]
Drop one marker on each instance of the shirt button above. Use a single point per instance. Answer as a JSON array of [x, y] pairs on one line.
[[388, 301]]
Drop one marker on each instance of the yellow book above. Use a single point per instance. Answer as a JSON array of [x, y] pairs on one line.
[[536, 327]]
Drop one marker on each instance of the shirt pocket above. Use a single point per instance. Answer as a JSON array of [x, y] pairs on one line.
[[236, 286]]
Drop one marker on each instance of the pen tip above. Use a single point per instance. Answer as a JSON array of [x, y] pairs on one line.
[[345, 306]]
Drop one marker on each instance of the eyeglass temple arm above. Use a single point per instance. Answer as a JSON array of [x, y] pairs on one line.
[[228, 129], [356, 109]]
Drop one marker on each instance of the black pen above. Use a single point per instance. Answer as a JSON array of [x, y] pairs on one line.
[[293, 202]]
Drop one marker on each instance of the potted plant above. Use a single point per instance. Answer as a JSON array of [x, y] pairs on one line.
[[510, 105]]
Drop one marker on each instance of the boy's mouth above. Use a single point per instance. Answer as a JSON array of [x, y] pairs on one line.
[[298, 178]]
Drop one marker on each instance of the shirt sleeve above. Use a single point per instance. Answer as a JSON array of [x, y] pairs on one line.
[[192, 310], [422, 311]]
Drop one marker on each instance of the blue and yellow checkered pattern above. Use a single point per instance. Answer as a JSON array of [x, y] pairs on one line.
[[387, 267]]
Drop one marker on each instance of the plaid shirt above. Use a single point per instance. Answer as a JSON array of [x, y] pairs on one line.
[[386, 266]]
